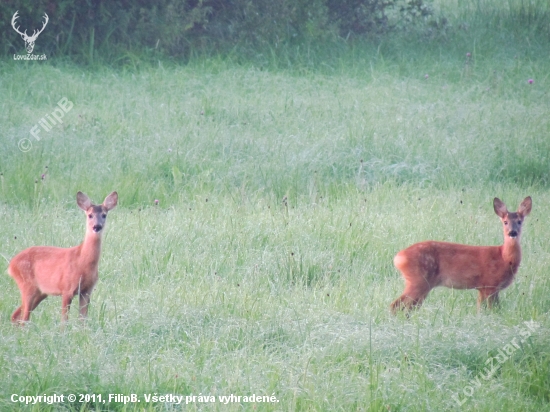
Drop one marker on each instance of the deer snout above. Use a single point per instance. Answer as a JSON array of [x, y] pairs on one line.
[[513, 233], [97, 228]]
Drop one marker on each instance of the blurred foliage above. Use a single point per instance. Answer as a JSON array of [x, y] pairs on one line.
[[378, 16], [86, 29]]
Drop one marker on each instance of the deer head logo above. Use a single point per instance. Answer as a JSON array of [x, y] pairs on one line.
[[29, 40]]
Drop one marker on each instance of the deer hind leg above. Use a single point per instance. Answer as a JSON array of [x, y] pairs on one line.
[[488, 295], [31, 295], [412, 297], [29, 302], [13, 270], [35, 302], [66, 300], [30, 298], [493, 300], [16, 315]]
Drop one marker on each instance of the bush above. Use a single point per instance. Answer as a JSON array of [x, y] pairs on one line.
[[375, 16], [82, 29]]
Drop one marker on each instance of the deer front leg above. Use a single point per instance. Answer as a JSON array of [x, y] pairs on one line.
[[84, 303]]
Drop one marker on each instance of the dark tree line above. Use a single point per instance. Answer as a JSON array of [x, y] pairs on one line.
[[84, 28]]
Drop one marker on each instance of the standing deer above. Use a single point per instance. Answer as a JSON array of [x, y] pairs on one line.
[[40, 271], [489, 269], [29, 40]]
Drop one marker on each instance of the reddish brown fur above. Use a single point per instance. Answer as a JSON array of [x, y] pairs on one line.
[[40, 271], [489, 269]]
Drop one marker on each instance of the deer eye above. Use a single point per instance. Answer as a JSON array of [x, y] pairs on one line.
[[90, 215], [103, 215], [505, 222], [519, 222]]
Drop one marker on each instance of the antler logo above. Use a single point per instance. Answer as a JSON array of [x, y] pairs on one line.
[[29, 40]]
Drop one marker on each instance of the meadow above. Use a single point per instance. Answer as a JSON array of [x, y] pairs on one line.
[[261, 203]]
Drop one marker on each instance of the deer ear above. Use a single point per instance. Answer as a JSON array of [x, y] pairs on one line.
[[525, 207], [83, 201], [111, 201], [500, 208]]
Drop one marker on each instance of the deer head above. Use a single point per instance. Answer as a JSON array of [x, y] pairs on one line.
[[29, 40]]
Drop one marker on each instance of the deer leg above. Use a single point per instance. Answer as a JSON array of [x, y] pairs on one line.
[[16, 315], [488, 295], [16, 274], [29, 301], [480, 299], [412, 297], [25, 310], [66, 306], [493, 300], [84, 303], [36, 301]]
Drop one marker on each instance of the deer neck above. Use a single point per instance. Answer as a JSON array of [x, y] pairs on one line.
[[90, 249], [511, 252]]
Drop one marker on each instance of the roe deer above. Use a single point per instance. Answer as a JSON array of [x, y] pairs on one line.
[[40, 271], [489, 269]]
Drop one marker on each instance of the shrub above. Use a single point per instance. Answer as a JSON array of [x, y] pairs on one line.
[[83, 29]]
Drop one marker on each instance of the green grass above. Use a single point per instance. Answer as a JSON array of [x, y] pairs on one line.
[[224, 297], [224, 288]]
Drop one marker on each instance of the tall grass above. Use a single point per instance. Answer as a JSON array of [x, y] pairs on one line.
[[225, 297], [166, 132], [284, 189]]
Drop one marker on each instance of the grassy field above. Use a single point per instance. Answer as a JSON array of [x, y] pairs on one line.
[[284, 189]]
